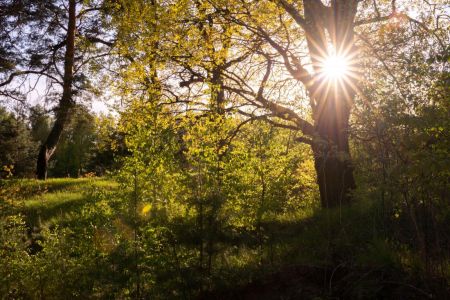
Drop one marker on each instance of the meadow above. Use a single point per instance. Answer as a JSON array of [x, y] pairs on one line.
[[73, 239]]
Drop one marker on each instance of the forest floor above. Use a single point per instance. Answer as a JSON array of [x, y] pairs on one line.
[[315, 257]]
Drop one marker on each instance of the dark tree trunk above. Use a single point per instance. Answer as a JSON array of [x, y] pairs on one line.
[[335, 180], [331, 100], [65, 104], [332, 154]]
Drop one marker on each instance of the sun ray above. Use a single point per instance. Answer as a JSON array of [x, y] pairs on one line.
[[335, 67], [338, 72]]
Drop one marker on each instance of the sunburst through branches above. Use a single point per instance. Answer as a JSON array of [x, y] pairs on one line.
[[338, 73], [335, 67]]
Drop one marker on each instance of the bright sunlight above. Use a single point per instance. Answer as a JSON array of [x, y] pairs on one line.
[[335, 67]]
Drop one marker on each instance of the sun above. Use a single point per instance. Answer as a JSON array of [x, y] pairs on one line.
[[338, 73], [335, 67]]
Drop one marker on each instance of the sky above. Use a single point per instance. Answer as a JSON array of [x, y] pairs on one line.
[[37, 95]]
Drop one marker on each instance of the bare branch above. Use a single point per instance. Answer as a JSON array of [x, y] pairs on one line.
[[281, 111], [374, 20], [88, 10], [94, 39], [302, 139], [291, 10], [20, 73], [297, 71], [267, 119]]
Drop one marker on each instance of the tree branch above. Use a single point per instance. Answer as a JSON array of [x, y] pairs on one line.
[[374, 20], [290, 9], [20, 73], [281, 111], [305, 140], [94, 39]]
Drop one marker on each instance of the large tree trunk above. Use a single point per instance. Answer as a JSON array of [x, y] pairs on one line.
[[65, 104], [335, 179], [332, 100], [332, 154]]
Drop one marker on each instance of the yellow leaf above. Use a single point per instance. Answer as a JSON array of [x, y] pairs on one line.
[[146, 208]]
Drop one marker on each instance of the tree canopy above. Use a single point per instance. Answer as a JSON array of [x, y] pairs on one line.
[[294, 148]]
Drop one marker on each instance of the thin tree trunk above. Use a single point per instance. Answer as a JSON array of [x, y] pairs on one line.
[[65, 104]]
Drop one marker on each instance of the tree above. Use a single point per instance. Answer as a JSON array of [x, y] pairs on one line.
[[76, 145], [109, 146], [17, 147], [329, 32], [40, 123], [288, 77], [60, 41], [65, 104]]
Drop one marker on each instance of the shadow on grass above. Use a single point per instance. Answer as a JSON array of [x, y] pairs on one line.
[[55, 206], [27, 188], [343, 253]]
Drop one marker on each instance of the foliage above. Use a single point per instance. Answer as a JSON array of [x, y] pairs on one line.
[[76, 144], [403, 161], [17, 148], [109, 146], [91, 144], [219, 152], [40, 123]]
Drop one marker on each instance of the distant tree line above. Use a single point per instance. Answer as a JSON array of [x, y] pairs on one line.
[[89, 145]]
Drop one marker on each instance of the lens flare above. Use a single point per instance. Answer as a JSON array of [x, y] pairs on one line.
[[335, 67], [337, 73]]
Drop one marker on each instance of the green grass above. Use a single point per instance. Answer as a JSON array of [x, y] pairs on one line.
[[29, 188], [48, 202], [349, 252]]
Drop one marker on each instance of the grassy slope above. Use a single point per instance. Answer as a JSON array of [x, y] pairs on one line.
[[54, 200]]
